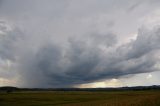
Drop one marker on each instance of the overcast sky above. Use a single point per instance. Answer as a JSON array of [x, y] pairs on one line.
[[79, 43]]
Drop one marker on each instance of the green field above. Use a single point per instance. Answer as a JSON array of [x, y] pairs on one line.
[[79, 98]]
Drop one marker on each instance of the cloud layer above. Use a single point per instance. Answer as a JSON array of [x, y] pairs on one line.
[[83, 60], [61, 44]]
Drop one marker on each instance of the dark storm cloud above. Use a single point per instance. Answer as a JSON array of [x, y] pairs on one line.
[[59, 67], [50, 65]]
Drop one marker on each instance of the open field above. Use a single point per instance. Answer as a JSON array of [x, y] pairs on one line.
[[81, 98]]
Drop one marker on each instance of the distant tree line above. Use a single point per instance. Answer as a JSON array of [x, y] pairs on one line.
[[9, 89]]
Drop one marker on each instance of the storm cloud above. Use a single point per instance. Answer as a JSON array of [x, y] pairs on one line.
[[84, 60], [62, 47]]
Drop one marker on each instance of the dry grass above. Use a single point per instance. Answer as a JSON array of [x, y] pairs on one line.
[[118, 98]]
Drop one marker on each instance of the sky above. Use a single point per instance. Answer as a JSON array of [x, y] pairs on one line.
[[79, 43]]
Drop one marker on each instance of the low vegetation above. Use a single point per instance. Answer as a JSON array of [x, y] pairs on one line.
[[81, 98]]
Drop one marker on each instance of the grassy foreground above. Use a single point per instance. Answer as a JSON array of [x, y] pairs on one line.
[[79, 98]]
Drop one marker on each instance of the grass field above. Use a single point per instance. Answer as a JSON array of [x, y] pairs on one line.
[[79, 98]]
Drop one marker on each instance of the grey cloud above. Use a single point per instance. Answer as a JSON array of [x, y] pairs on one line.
[[9, 44], [62, 69], [40, 60], [146, 41], [134, 6], [50, 65], [81, 62], [107, 40]]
